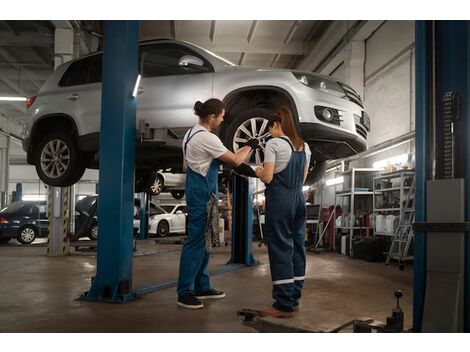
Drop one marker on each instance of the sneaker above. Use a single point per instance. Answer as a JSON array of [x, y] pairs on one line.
[[212, 293], [276, 313], [187, 300]]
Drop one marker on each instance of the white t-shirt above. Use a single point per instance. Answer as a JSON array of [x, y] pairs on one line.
[[202, 149], [278, 151]]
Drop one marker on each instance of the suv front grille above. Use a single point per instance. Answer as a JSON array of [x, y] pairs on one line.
[[351, 94], [362, 131]]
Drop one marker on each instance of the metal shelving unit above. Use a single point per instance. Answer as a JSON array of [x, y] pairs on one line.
[[355, 190], [391, 185]]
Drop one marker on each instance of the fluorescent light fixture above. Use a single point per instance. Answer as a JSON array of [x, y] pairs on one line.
[[13, 99], [137, 82], [33, 197], [394, 160], [334, 181]]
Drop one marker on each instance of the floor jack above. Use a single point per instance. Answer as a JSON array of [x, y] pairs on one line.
[[253, 319]]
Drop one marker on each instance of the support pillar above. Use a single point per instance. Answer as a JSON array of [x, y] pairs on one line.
[[113, 280], [58, 242], [144, 215]]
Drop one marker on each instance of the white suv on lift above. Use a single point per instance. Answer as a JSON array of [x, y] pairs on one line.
[[61, 136]]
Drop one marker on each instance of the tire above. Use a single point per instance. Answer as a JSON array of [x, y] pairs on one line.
[[27, 234], [5, 240], [156, 186], [67, 167], [177, 194], [143, 180], [163, 228], [254, 121], [93, 235]]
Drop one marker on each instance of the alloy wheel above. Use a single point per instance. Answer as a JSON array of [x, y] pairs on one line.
[[255, 127], [156, 186], [55, 158]]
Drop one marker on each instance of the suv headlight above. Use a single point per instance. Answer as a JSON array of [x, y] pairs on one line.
[[319, 83]]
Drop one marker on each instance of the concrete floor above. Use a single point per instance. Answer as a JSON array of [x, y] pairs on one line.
[[39, 293]]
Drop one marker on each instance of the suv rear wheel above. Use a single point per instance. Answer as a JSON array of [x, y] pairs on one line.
[[58, 161], [157, 185]]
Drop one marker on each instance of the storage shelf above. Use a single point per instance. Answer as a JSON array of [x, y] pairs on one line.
[[395, 174], [343, 194], [354, 227], [383, 234], [391, 189]]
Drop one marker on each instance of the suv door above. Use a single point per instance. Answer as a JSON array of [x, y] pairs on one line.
[[168, 90], [80, 93]]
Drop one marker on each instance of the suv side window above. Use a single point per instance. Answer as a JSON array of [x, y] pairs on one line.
[[84, 71], [162, 60]]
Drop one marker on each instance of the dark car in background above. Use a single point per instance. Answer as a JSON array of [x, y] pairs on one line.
[[27, 220]]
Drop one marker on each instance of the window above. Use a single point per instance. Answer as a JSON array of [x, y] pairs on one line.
[[163, 60], [96, 69], [84, 71]]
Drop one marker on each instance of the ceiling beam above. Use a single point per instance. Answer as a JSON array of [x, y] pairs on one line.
[[292, 30], [251, 33], [25, 39], [24, 73], [275, 60], [242, 58], [6, 24], [212, 32]]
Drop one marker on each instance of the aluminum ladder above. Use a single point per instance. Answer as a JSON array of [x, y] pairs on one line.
[[404, 233]]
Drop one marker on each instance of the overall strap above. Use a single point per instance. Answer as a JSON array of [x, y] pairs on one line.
[[288, 141], [190, 137]]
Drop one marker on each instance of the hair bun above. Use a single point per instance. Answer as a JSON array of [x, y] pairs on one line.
[[198, 107]]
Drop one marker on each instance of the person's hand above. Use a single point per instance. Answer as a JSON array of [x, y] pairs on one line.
[[253, 143], [259, 171]]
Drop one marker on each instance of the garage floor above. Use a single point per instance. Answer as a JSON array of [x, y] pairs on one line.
[[39, 293]]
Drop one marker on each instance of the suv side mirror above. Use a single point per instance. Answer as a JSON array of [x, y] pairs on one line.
[[190, 60]]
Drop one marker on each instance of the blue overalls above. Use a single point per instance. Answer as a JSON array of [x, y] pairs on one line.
[[193, 273], [285, 231]]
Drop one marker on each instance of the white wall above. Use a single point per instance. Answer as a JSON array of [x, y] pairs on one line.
[[389, 87]]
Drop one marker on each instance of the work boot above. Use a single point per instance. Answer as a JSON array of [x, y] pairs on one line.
[[276, 313], [212, 293], [187, 300]]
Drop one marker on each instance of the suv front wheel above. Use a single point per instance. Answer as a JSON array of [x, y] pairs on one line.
[[250, 124], [58, 161]]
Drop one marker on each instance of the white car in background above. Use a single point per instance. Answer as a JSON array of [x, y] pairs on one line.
[[169, 182], [162, 222]]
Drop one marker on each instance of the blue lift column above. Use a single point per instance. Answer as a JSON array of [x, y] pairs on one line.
[[113, 280], [441, 301], [242, 221]]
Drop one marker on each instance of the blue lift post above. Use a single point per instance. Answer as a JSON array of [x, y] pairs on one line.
[[144, 215], [113, 280], [442, 255], [242, 221]]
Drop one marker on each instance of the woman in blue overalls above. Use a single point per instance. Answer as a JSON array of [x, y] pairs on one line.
[[284, 171], [201, 152]]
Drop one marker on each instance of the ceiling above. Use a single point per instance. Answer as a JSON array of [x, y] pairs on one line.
[[27, 48]]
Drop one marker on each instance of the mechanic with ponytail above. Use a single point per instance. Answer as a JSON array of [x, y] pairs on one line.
[[284, 171], [202, 151]]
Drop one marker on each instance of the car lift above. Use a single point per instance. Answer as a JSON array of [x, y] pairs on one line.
[[113, 279], [442, 246]]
